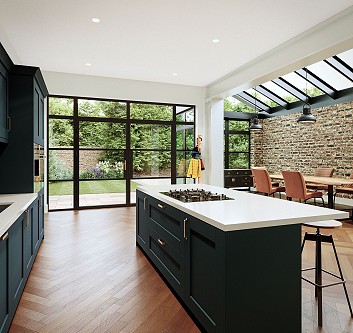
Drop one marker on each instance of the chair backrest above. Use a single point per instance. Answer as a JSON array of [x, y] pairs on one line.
[[295, 184], [262, 180], [324, 172]]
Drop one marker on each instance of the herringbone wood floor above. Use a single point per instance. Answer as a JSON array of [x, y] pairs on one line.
[[90, 277]]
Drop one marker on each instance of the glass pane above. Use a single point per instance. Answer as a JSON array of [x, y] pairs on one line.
[[61, 195], [238, 161], [133, 186], [151, 164], [302, 84], [61, 106], [101, 109], [102, 135], [261, 97], [61, 164], [61, 133], [101, 164], [185, 137], [185, 116], [238, 142], [183, 161], [151, 111], [347, 57], [235, 125], [150, 136], [330, 75], [280, 92], [102, 192]]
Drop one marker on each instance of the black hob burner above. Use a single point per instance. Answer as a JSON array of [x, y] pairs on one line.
[[195, 195]]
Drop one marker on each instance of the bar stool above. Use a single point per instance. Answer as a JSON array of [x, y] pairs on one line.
[[318, 238]]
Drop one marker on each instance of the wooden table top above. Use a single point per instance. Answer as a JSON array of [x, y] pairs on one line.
[[320, 180]]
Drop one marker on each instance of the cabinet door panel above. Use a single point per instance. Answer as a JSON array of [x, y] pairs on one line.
[[41, 214], [205, 272], [142, 220], [3, 103], [35, 225], [16, 261], [27, 241], [4, 285]]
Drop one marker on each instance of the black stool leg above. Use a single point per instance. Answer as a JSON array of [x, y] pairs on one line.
[[341, 275], [318, 276]]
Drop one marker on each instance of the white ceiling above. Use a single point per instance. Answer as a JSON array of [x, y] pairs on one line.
[[151, 40]]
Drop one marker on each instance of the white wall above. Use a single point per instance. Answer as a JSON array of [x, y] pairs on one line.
[[102, 87]]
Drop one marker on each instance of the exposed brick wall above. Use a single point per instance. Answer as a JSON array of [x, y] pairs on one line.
[[285, 144]]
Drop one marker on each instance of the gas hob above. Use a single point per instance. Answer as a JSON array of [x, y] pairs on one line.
[[196, 195]]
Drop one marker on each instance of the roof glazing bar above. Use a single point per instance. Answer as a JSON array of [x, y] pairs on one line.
[[340, 66], [317, 82], [290, 88], [251, 99], [272, 96]]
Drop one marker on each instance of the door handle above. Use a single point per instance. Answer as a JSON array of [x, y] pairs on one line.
[[40, 200], [160, 206], [185, 236], [27, 218], [4, 236], [161, 242], [125, 165], [145, 204]]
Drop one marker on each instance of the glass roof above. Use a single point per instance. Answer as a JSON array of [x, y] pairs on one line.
[[322, 82]]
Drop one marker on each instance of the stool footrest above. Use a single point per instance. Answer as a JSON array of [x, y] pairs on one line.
[[323, 270], [323, 285]]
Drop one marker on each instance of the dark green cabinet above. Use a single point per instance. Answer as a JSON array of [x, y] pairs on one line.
[[18, 249], [27, 91], [5, 66], [4, 78], [142, 220], [241, 280], [5, 317]]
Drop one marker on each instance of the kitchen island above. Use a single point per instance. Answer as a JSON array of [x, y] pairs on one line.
[[235, 264]]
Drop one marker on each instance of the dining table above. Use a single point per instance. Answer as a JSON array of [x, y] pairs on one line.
[[329, 181]]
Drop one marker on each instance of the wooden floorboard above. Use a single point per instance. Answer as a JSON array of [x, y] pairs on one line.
[[89, 276]]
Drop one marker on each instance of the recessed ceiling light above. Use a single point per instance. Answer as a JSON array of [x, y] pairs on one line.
[[175, 74], [88, 64], [96, 20], [216, 40]]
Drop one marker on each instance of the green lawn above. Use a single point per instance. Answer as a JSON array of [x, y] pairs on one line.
[[90, 187]]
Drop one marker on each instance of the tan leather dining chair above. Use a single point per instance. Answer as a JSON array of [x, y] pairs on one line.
[[321, 172], [263, 182], [296, 187]]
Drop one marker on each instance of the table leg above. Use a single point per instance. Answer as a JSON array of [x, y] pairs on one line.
[[330, 196]]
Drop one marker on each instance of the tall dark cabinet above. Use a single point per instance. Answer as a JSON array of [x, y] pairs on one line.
[[27, 91], [5, 67]]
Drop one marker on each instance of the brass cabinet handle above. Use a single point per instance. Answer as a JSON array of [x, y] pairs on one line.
[[161, 242], [40, 200], [161, 206], [185, 221], [4, 236], [8, 123], [27, 218], [125, 165], [145, 204]]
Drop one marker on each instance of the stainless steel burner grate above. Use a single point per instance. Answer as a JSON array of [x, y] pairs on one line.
[[195, 195]]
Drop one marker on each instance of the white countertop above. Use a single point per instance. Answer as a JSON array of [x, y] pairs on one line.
[[19, 203], [247, 211]]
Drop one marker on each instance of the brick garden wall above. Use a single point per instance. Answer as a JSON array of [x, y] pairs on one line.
[[285, 144]]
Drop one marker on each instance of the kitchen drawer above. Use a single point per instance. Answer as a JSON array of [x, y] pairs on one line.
[[166, 236], [166, 216], [167, 259]]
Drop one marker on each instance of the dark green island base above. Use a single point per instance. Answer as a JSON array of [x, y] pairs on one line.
[[236, 281]]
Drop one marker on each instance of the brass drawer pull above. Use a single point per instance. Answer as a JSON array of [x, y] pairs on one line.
[[161, 206], [161, 242], [185, 221], [145, 204], [8, 123], [4, 236], [27, 218]]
